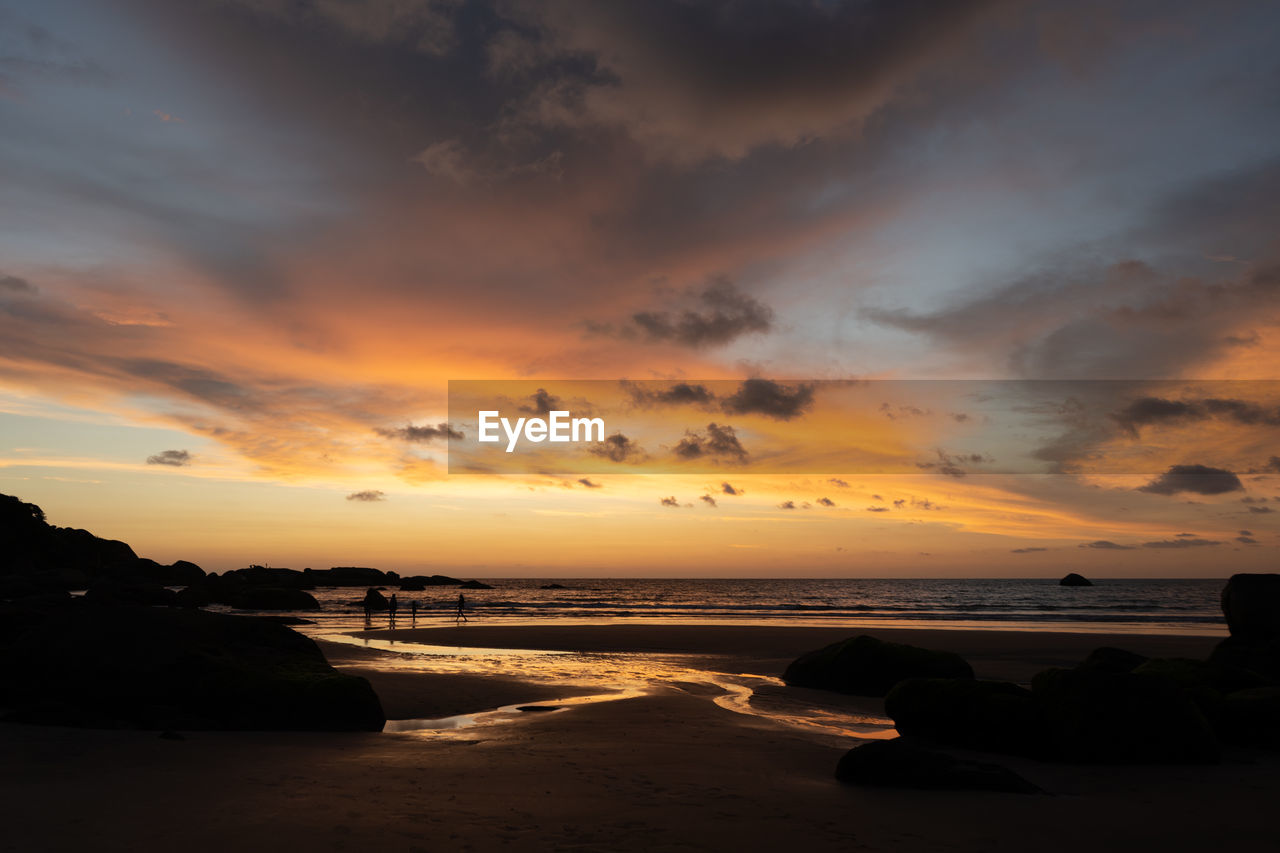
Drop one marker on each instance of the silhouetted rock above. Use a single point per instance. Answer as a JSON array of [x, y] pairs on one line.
[[1190, 674], [374, 600], [266, 576], [351, 576], [1251, 605], [994, 716], [900, 764], [269, 598], [474, 585], [1259, 657], [1250, 717], [1074, 579], [865, 666], [417, 583], [196, 595], [145, 594], [1111, 659], [553, 586], [1094, 716], [164, 668]]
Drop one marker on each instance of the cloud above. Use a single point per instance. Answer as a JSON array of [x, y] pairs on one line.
[[707, 499], [719, 442], [1197, 479], [1261, 510], [877, 509], [1181, 543], [543, 404], [787, 505], [1155, 410], [671, 501], [420, 433], [1272, 466], [176, 458], [722, 314], [838, 483], [1107, 545], [618, 448], [826, 502], [586, 481], [769, 398], [679, 394], [688, 82], [1246, 540], [1027, 550], [367, 496], [14, 284], [729, 490]]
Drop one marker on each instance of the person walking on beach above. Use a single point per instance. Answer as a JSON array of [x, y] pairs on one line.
[[460, 616], [413, 613], [391, 608]]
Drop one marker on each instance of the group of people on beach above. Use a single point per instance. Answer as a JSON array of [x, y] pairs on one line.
[[372, 600]]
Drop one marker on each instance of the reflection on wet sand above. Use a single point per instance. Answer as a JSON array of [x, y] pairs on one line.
[[615, 676]]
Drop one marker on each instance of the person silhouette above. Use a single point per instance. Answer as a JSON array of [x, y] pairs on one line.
[[391, 608], [413, 612], [461, 615]]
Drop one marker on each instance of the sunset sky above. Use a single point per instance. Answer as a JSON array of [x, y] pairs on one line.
[[245, 245]]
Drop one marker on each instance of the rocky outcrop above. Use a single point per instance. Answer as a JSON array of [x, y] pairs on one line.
[[1093, 716], [474, 585], [417, 583], [993, 716], [1074, 579], [1251, 605], [86, 664], [375, 600], [865, 666], [900, 764], [38, 558]]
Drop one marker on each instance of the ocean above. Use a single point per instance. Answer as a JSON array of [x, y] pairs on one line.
[[1111, 605]]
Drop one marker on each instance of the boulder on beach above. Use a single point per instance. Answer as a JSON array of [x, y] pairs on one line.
[[117, 592], [474, 585], [1093, 716], [417, 583], [1111, 659], [1251, 605], [267, 576], [1074, 579], [900, 764], [350, 576], [100, 666], [994, 716], [865, 666], [375, 600], [270, 598], [1250, 717]]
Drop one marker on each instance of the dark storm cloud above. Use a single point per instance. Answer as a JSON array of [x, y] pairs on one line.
[[729, 490], [722, 315], [420, 433], [176, 458], [618, 448], [769, 398], [1155, 410], [690, 81], [1181, 543], [1197, 479], [367, 496], [586, 481], [718, 442], [1107, 545], [679, 394], [708, 500]]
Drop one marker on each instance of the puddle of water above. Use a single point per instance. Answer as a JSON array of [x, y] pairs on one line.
[[505, 714]]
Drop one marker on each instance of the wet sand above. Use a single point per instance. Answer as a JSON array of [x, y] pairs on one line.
[[666, 771]]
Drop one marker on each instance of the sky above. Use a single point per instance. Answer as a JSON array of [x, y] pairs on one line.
[[245, 246]]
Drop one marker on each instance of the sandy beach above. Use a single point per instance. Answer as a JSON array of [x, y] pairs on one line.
[[667, 770]]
